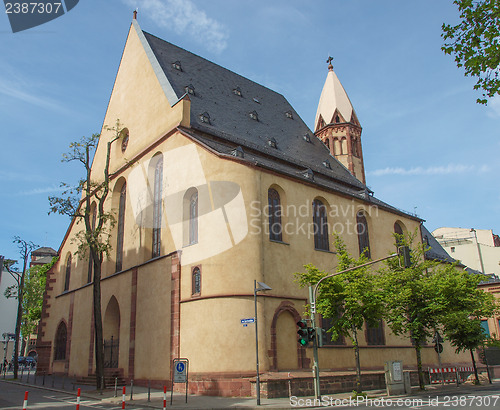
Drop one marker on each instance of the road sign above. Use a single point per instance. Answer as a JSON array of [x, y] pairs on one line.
[[247, 321], [180, 371]]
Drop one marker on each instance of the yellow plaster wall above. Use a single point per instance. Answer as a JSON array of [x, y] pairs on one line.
[[152, 335]]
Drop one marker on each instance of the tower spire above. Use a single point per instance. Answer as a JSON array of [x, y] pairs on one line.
[[337, 125]]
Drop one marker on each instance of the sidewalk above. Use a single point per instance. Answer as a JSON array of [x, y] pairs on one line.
[[140, 395]]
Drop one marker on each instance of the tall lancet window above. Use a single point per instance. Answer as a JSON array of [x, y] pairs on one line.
[[363, 237], [275, 229], [157, 206], [121, 228], [320, 224], [193, 218], [68, 273]]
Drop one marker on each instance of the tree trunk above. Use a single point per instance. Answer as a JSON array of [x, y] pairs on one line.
[[99, 343], [358, 363], [475, 368], [20, 296], [18, 330], [418, 351]]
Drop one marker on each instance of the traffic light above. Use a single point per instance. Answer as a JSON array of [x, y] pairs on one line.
[[303, 333], [321, 336], [405, 251], [311, 334]]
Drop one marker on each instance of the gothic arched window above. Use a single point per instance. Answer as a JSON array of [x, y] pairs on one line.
[[193, 218], [196, 284], [68, 273], [275, 228], [157, 205], [363, 237], [61, 341], [121, 228], [320, 224]]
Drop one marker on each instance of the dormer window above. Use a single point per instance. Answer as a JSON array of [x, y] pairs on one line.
[[189, 89], [307, 138], [272, 143], [308, 174], [253, 115], [289, 114], [237, 91], [337, 119], [205, 118], [326, 164], [238, 152], [177, 65]]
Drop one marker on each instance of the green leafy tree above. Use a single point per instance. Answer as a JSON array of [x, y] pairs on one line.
[[463, 306], [34, 289], [410, 297], [475, 43], [17, 290], [94, 237], [350, 299]]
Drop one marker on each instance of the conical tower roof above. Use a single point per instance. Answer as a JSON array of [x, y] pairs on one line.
[[334, 98]]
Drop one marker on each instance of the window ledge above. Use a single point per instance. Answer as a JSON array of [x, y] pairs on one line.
[[324, 250], [276, 241]]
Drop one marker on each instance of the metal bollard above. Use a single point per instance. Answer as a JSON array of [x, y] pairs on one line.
[[116, 386], [34, 378], [149, 390], [43, 379], [131, 389]]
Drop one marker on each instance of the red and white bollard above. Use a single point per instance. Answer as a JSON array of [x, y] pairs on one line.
[[25, 402], [123, 398], [164, 397], [78, 399]]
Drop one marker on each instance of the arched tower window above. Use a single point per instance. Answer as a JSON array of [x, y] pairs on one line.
[[61, 341], [275, 228], [196, 281], [157, 206], [121, 227], [363, 236], [68, 273], [320, 226], [193, 218]]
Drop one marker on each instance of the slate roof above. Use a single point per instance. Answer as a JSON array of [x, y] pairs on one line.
[[230, 111], [436, 251]]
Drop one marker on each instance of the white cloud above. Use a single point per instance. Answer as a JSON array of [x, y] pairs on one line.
[[494, 107], [184, 17], [37, 191], [431, 170]]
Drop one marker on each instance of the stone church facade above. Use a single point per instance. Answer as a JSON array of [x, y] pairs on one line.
[[217, 182]]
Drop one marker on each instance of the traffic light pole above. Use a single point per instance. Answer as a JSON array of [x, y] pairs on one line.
[[315, 369]]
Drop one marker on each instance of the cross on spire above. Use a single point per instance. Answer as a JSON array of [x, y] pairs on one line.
[[329, 61]]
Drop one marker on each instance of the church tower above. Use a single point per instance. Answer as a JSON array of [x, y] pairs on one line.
[[337, 125]]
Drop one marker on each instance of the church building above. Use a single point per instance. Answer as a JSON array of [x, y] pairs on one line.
[[216, 183]]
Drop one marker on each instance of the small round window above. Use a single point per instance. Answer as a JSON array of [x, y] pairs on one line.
[[124, 138]]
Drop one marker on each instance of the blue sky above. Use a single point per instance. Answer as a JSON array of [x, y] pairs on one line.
[[428, 147]]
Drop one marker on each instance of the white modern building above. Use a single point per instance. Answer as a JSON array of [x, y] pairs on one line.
[[478, 249]]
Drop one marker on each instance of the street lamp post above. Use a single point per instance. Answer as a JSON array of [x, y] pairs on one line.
[[257, 287], [478, 250]]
